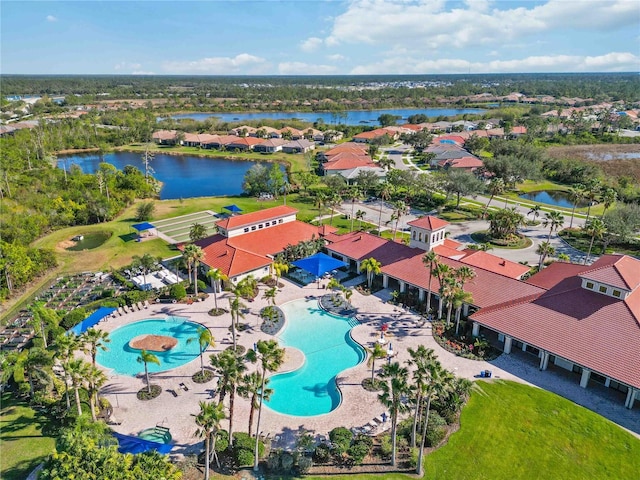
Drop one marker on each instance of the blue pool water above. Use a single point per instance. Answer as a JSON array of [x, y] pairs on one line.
[[122, 359], [326, 342]]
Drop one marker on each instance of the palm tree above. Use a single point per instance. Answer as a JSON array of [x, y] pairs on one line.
[[36, 364], [400, 208], [204, 338], [78, 370], [420, 360], [596, 228], [270, 356], [360, 214], [145, 263], [464, 274], [321, 201], [249, 388], [554, 220], [230, 367], [270, 295], [575, 195], [544, 249], [534, 212], [354, 194], [384, 194], [279, 268], [208, 420], [92, 340], [495, 187], [608, 197], [236, 306], [333, 201], [197, 232], [65, 346], [95, 379], [591, 191], [197, 255], [441, 271], [216, 276], [395, 386], [376, 352], [460, 297], [372, 267], [188, 253], [448, 289], [146, 358], [439, 382], [430, 259]]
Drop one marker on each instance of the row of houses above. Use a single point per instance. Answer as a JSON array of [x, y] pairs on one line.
[[572, 318], [468, 129]]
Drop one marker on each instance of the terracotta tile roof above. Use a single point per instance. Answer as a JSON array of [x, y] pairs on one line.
[[428, 222], [493, 263], [273, 142], [593, 330], [446, 251], [246, 141], [555, 274], [294, 131], [619, 271], [487, 288], [454, 138], [164, 135], [464, 162], [272, 240], [413, 126], [218, 253], [347, 161], [451, 243], [238, 221], [360, 245], [220, 139]]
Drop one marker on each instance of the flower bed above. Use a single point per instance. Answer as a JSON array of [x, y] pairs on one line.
[[467, 347]]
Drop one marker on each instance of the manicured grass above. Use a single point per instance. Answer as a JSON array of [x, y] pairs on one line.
[[512, 431], [22, 442]]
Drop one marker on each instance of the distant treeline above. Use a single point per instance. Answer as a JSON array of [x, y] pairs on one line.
[[393, 89]]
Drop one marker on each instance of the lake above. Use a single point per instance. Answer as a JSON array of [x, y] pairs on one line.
[[183, 176], [349, 117], [551, 197]]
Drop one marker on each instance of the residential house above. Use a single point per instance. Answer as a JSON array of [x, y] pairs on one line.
[[298, 146], [244, 143], [218, 141], [244, 131], [165, 137], [270, 146], [294, 133]]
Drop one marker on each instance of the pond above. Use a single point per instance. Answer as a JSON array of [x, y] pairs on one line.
[[182, 176], [90, 241], [556, 198], [348, 117]]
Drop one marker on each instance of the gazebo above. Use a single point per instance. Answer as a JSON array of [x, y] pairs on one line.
[[233, 208], [143, 227]]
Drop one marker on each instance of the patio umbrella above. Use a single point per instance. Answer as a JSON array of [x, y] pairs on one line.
[[319, 264]]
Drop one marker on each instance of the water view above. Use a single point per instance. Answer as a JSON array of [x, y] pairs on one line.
[[349, 117], [183, 176], [557, 198]]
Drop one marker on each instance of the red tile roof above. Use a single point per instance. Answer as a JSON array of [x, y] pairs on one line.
[[272, 240], [238, 221], [595, 331], [493, 263], [248, 141], [348, 161], [463, 162], [360, 245], [428, 222], [454, 138], [619, 271], [446, 251], [232, 261]]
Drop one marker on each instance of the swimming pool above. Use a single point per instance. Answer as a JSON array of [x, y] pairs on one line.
[[122, 359], [326, 342]]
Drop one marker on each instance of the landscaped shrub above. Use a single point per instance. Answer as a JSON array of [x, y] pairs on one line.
[[145, 395], [286, 462], [385, 445], [341, 438], [273, 461], [201, 287], [322, 453], [435, 430], [413, 458], [222, 441], [73, 318], [304, 464], [243, 449], [243, 458], [358, 450], [178, 292]]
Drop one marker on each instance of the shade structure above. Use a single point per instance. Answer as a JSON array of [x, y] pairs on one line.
[[143, 226], [91, 320], [319, 264], [128, 444], [233, 208]]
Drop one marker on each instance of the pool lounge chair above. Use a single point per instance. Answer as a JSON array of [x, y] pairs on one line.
[[177, 391], [184, 387], [146, 304]]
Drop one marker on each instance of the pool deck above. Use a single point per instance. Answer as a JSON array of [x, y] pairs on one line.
[[358, 406]]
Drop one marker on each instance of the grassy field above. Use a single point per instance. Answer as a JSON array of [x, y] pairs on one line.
[[22, 443], [511, 431]]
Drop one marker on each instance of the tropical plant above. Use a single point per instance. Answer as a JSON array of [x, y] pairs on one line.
[[236, 306], [197, 232], [204, 339], [554, 220], [372, 267], [93, 340], [95, 379], [608, 197], [430, 260], [250, 387], [145, 263], [575, 195], [230, 367], [394, 387], [544, 250], [384, 193], [270, 295], [420, 360], [279, 268], [78, 371], [496, 187], [591, 191], [375, 353], [146, 358], [270, 356], [504, 223], [333, 201], [595, 228], [360, 214], [216, 276], [534, 212], [208, 421], [459, 298], [64, 347]]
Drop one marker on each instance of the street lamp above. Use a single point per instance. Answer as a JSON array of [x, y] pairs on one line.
[[390, 353]]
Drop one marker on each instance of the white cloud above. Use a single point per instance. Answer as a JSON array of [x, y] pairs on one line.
[[127, 66], [142, 72], [300, 68], [610, 62], [427, 24], [311, 44], [336, 57], [243, 63], [51, 18]]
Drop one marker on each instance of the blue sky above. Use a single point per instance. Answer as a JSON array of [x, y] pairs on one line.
[[309, 37]]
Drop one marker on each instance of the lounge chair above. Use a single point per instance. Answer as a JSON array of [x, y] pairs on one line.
[[125, 308], [177, 391], [146, 304], [139, 305], [120, 311], [184, 387]]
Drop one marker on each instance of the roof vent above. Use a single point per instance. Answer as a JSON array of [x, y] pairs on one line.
[[503, 263]]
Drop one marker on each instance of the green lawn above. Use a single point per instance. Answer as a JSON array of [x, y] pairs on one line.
[[22, 443], [511, 431]]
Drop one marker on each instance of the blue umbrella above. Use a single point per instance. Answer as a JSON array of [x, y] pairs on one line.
[[233, 208], [319, 264]]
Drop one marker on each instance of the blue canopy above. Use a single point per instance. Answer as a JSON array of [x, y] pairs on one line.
[[319, 264], [233, 208], [134, 445], [91, 320], [143, 226]]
